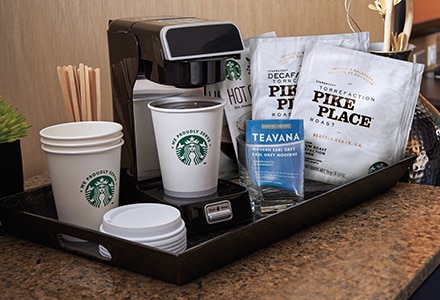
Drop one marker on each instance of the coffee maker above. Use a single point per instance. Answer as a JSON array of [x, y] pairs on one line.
[[159, 57]]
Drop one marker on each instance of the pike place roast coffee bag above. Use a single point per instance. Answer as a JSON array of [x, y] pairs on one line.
[[275, 66], [357, 109]]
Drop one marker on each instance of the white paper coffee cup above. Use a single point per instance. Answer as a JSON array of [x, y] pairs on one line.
[[110, 140], [85, 183], [188, 136], [86, 130]]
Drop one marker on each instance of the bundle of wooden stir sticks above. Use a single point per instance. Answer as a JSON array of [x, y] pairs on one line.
[[81, 89]]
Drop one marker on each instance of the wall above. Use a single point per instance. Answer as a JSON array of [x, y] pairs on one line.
[[426, 10], [38, 36]]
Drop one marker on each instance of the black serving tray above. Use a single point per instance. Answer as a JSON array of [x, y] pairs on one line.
[[31, 215]]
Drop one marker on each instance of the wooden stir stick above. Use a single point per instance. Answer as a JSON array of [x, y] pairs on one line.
[[81, 91]]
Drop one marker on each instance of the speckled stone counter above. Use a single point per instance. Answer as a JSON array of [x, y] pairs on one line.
[[382, 249]]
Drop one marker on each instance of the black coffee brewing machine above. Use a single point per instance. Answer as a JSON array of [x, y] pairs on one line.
[[158, 57]]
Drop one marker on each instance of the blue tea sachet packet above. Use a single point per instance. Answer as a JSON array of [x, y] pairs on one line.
[[275, 163]]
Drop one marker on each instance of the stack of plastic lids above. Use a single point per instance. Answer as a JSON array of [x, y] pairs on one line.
[[152, 224]]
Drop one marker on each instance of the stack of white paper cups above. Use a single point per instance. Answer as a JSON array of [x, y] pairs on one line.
[[84, 164]]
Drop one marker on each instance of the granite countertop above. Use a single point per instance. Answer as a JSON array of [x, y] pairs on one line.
[[383, 248]]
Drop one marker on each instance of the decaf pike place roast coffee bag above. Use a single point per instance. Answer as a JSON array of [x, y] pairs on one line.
[[275, 66], [357, 109]]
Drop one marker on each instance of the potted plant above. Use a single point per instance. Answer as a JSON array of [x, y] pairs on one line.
[[13, 126]]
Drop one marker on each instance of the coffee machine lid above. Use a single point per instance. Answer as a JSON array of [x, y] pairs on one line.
[[208, 39], [185, 38]]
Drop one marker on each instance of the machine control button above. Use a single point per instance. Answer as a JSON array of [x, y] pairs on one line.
[[218, 212]]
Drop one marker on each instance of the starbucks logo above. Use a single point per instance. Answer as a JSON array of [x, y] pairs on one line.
[[233, 70], [377, 166], [192, 149], [99, 188]]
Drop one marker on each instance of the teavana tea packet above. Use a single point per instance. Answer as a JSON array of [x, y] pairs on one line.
[[275, 66], [275, 163], [357, 109]]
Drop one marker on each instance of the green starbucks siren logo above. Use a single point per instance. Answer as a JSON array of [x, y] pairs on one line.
[[377, 166], [99, 188], [233, 70], [192, 149]]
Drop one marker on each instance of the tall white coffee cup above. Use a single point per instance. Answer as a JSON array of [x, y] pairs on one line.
[[188, 137]]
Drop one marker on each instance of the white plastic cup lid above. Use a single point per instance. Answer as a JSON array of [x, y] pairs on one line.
[[104, 252], [172, 248], [142, 220], [179, 248], [162, 239], [168, 242]]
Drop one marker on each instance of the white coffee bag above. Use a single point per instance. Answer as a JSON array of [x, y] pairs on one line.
[[357, 109], [236, 90], [275, 66]]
